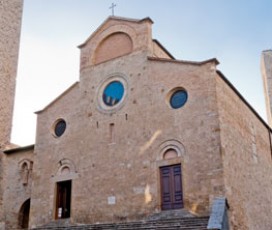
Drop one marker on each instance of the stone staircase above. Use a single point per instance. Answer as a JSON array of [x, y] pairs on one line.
[[185, 223]]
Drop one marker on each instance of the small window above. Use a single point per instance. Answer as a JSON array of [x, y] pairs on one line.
[[60, 128], [178, 98], [113, 93]]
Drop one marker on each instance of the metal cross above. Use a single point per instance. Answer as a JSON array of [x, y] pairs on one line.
[[112, 8]]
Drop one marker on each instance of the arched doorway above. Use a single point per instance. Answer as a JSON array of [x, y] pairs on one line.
[[171, 182], [24, 214]]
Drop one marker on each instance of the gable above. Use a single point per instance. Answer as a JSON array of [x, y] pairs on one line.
[[116, 37], [66, 92]]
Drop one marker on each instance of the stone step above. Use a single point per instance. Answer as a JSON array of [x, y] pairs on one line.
[[185, 223]]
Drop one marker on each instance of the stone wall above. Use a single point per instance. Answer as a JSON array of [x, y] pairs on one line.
[[10, 22], [17, 182], [246, 152]]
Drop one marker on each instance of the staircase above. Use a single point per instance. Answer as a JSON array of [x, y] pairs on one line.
[[185, 223]]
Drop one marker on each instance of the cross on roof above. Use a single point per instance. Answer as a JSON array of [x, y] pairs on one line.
[[112, 8]]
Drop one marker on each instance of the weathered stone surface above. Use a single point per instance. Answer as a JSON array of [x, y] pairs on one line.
[[128, 167], [18, 182], [246, 155], [113, 155], [10, 24]]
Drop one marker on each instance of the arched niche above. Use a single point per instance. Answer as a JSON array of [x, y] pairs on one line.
[[25, 164], [25, 169], [114, 45]]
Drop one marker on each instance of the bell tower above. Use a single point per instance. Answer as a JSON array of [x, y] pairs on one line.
[[10, 28], [266, 68]]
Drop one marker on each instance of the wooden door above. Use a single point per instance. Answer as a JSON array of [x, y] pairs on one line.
[[63, 201], [171, 187]]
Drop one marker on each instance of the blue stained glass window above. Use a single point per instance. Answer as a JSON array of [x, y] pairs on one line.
[[178, 99], [113, 93]]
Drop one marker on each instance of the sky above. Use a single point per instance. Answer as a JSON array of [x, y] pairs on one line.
[[234, 31]]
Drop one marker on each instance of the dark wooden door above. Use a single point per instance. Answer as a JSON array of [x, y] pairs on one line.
[[63, 206], [171, 187]]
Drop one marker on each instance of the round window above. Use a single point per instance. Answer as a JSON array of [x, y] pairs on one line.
[[178, 98], [60, 128], [113, 93]]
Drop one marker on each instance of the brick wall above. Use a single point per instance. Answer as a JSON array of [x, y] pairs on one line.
[[126, 168], [246, 153]]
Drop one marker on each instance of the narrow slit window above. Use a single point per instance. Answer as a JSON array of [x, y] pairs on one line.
[[111, 132]]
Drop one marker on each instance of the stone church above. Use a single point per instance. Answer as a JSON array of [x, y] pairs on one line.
[[139, 135]]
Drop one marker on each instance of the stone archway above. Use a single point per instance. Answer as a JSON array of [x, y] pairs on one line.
[[24, 214]]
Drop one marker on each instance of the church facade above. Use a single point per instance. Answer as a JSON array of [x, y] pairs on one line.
[[140, 133]]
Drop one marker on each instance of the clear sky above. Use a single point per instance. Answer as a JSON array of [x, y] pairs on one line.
[[233, 31]]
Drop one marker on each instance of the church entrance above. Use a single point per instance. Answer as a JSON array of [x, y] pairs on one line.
[[63, 201], [24, 214], [171, 187]]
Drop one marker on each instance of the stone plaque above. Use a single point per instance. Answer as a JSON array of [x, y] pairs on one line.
[[111, 200]]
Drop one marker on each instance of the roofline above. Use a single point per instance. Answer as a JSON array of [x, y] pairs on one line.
[[19, 149], [57, 98], [115, 18], [130, 19], [163, 48], [183, 61], [222, 76]]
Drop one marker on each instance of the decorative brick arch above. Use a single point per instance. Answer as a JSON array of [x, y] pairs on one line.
[[125, 30], [113, 46], [171, 144], [65, 166], [66, 170]]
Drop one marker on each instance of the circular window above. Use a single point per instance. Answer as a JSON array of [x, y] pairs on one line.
[[178, 98], [113, 93], [60, 128]]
